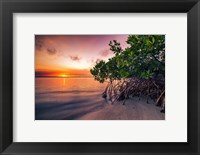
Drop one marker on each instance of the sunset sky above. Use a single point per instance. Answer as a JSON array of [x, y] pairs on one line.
[[72, 55]]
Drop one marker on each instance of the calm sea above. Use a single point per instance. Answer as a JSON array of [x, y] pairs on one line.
[[67, 98]]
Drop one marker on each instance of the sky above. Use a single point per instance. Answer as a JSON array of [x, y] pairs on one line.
[[72, 55]]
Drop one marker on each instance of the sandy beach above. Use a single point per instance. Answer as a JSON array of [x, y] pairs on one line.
[[134, 109]]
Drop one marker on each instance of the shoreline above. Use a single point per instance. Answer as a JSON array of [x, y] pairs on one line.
[[93, 109]]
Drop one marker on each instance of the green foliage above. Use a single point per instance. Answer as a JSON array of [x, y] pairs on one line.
[[100, 71], [115, 47], [144, 58]]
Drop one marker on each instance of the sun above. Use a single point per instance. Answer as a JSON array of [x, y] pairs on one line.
[[63, 75]]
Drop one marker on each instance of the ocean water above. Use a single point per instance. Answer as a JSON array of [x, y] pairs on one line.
[[67, 98]]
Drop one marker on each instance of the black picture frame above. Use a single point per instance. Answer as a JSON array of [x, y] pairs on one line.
[[8, 7]]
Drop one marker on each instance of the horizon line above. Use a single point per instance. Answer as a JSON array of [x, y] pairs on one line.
[[69, 76]]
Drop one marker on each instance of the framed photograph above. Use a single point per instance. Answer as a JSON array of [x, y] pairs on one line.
[[90, 77], [106, 77]]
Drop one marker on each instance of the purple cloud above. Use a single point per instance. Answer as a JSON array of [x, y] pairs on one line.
[[51, 50], [75, 58], [39, 43]]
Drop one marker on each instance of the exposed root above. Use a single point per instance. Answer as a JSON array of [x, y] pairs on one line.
[[121, 90]]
